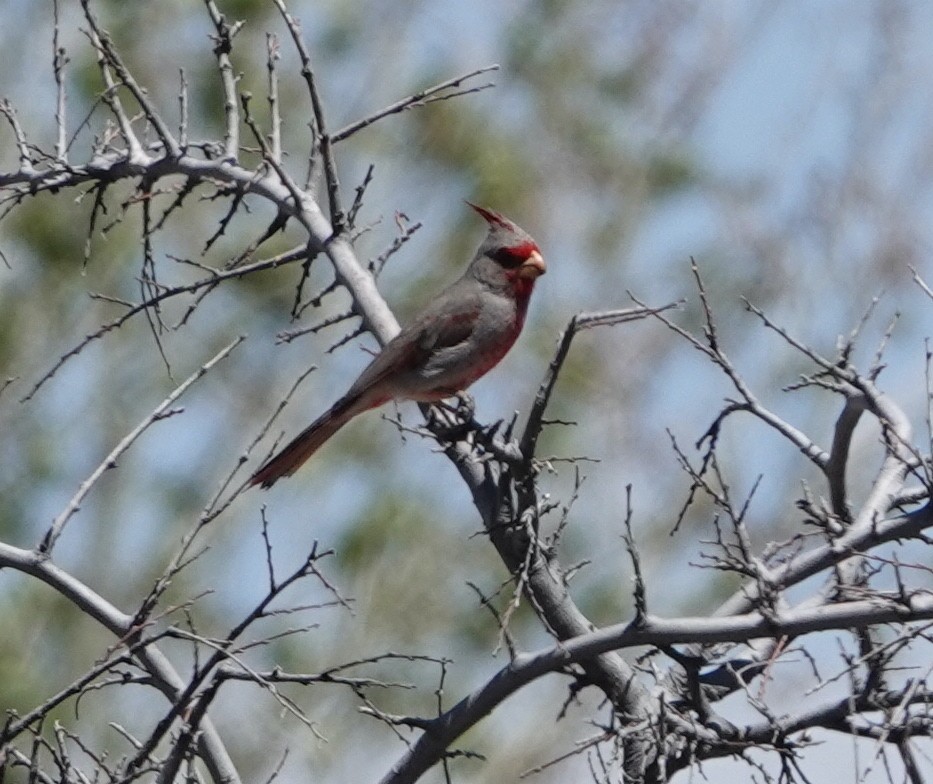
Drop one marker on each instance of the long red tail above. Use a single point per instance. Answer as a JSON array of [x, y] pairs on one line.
[[305, 444]]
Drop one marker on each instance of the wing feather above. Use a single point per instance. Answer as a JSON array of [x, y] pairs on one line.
[[447, 322]]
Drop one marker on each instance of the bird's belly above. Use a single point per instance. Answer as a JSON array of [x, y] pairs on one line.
[[454, 369]]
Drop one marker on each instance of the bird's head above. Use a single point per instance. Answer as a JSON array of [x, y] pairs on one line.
[[515, 257]]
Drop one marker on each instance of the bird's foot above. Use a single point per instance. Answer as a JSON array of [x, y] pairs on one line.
[[466, 406], [450, 421]]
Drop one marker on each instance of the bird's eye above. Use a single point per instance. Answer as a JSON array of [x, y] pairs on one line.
[[512, 257]]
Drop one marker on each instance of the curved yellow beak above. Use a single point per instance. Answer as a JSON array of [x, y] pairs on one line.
[[533, 266]]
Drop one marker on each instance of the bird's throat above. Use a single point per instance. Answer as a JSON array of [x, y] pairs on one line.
[[522, 286]]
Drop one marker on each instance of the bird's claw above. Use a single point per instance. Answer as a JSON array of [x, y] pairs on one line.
[[466, 406], [463, 421]]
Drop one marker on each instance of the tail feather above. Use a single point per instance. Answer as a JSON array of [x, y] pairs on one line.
[[305, 444]]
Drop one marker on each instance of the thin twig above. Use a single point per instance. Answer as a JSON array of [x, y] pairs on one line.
[[222, 48], [162, 411], [266, 264], [337, 217], [22, 146], [579, 322], [421, 98], [272, 56], [112, 57], [59, 61]]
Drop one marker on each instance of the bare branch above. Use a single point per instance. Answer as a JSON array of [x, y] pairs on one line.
[[835, 467], [164, 676], [421, 98], [162, 411], [25, 158], [526, 668], [579, 322], [288, 257], [921, 283], [272, 56], [223, 45], [112, 58], [337, 216]]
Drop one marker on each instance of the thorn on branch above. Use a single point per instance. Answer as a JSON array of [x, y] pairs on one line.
[[358, 198], [376, 265], [640, 594]]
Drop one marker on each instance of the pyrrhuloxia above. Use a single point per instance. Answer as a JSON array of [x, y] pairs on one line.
[[460, 336]]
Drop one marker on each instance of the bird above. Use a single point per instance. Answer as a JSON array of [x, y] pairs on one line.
[[460, 336]]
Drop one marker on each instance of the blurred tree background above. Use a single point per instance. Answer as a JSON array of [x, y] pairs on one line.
[[785, 146]]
